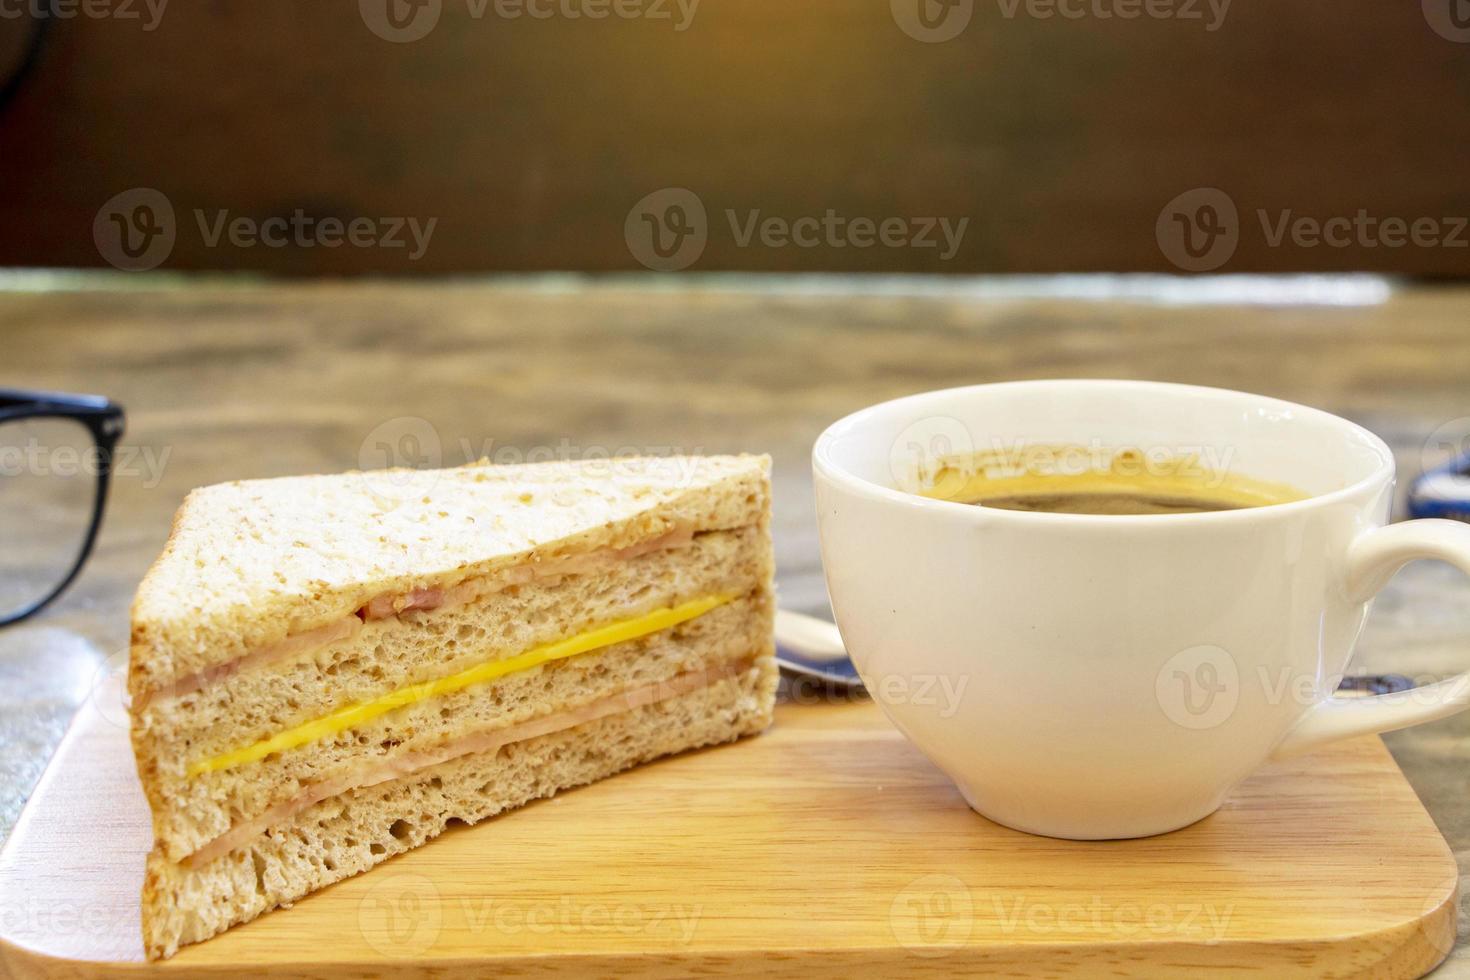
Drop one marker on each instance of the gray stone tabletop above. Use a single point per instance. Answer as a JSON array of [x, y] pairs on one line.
[[226, 379]]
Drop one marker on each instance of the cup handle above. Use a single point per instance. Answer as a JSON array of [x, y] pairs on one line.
[[1373, 559]]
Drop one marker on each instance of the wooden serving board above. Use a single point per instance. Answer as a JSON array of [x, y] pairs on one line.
[[827, 847]]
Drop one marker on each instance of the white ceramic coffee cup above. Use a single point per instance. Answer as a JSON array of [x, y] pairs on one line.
[[1091, 677]]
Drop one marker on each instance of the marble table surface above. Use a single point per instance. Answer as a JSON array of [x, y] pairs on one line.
[[225, 379]]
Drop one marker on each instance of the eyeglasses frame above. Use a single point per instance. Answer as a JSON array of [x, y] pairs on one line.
[[106, 421]]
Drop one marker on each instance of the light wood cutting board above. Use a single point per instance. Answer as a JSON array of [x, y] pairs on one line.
[[827, 847]]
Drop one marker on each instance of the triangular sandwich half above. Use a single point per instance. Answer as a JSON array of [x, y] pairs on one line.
[[328, 670]]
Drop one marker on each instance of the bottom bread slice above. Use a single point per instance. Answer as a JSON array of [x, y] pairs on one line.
[[349, 833]]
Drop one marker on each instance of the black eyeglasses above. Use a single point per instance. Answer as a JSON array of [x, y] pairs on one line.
[[55, 465]]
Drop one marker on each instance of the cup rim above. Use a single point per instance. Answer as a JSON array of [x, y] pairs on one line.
[[826, 467]]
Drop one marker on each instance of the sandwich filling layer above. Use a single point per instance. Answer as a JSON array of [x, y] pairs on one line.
[[485, 741], [391, 663], [395, 604], [360, 828], [359, 714]]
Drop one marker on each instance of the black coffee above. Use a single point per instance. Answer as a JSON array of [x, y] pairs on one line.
[[1103, 502]]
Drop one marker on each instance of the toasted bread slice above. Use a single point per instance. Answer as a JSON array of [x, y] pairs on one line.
[[310, 643]]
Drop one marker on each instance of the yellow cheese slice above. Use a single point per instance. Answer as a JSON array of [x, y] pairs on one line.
[[356, 715]]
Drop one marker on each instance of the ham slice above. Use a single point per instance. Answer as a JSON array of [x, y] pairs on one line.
[[386, 606], [483, 741], [395, 604]]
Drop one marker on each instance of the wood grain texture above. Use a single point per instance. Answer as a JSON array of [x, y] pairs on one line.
[[826, 846], [225, 379], [1060, 138]]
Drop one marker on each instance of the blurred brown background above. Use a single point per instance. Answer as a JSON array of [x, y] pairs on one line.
[[1060, 132]]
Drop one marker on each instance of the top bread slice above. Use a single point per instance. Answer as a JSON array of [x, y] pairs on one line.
[[248, 564]]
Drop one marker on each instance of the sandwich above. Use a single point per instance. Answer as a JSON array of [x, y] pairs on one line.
[[329, 670]]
